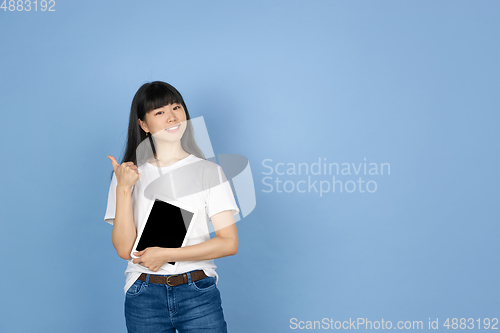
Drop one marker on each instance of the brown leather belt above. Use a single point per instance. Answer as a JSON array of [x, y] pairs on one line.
[[174, 280]]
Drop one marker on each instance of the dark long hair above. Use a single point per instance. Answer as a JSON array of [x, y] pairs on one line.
[[151, 96]]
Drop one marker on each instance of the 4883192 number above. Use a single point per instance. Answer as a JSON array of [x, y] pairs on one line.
[[463, 323], [27, 5]]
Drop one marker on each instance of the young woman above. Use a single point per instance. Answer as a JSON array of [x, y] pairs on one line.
[[162, 157]]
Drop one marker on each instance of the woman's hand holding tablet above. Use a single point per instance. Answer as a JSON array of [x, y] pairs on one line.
[[153, 258]]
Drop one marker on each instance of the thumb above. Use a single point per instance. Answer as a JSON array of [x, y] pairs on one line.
[[113, 162]]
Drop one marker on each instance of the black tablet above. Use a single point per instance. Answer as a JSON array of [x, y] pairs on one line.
[[167, 224]]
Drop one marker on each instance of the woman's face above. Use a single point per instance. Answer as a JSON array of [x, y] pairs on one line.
[[167, 123]]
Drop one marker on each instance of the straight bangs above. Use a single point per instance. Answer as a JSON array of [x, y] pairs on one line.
[[158, 96]]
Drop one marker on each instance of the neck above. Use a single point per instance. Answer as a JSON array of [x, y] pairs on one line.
[[170, 152]]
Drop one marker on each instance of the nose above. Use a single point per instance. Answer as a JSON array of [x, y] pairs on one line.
[[170, 116]]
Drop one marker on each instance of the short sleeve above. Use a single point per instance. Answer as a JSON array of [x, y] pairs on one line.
[[220, 195], [111, 207]]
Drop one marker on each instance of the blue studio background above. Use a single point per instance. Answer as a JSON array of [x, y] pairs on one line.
[[412, 84]]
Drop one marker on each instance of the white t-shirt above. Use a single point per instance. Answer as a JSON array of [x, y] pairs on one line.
[[193, 181]]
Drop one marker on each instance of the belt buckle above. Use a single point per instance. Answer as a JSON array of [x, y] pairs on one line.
[[168, 280]]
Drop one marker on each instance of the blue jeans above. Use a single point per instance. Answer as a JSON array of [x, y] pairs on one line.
[[191, 307]]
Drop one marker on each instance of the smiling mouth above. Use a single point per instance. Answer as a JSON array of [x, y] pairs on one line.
[[173, 129]]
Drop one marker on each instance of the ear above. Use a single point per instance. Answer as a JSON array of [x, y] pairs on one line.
[[143, 125]]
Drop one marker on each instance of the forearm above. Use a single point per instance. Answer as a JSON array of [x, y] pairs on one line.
[[213, 248], [124, 232]]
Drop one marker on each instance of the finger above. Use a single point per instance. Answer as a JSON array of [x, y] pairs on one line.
[[130, 167], [113, 162]]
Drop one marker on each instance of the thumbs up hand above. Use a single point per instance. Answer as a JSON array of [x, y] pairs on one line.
[[126, 173]]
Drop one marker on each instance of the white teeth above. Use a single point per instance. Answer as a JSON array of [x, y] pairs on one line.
[[173, 128]]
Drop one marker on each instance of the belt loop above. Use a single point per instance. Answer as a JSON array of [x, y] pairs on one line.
[[147, 278], [189, 277]]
